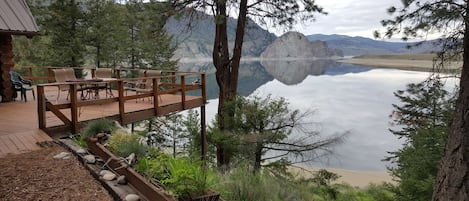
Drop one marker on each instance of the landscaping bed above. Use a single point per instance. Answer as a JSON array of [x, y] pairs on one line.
[[37, 175], [135, 184]]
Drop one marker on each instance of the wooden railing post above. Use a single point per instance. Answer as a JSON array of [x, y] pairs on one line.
[[41, 107], [120, 88], [74, 108], [203, 133], [50, 74], [173, 78], [155, 95], [183, 91], [30, 71], [93, 72], [204, 91], [117, 73]]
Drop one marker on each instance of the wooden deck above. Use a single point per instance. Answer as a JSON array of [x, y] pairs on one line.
[[19, 131], [71, 114], [23, 125]]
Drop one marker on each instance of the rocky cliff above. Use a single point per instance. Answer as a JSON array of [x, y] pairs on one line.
[[196, 42], [295, 45]]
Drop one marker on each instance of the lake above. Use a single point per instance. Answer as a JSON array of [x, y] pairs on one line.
[[344, 98]]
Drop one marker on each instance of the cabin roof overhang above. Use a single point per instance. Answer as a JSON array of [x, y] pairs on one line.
[[17, 19]]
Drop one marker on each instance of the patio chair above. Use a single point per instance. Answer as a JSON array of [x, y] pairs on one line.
[[133, 85], [144, 85], [61, 76], [104, 73], [147, 85], [70, 74], [21, 85]]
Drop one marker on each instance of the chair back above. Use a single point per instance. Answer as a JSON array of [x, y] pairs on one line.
[[141, 80], [61, 76], [103, 73], [70, 73], [15, 77], [148, 83]]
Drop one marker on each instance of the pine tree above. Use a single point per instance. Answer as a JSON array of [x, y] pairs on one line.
[[424, 116], [64, 24], [106, 32]]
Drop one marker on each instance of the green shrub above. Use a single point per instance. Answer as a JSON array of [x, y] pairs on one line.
[[153, 168], [241, 184], [79, 140], [98, 126], [123, 144], [187, 179]]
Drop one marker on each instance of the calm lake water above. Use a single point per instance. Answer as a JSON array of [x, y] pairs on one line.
[[344, 98]]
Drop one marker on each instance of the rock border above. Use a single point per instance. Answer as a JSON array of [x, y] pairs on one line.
[[137, 185]]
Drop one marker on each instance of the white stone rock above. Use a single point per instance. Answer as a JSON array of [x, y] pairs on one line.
[[90, 159], [131, 159], [62, 155], [103, 172], [81, 151], [132, 197], [109, 176], [122, 180]]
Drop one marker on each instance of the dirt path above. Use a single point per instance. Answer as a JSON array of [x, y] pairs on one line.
[[38, 176]]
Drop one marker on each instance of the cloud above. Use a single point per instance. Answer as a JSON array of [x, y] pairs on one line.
[[347, 17]]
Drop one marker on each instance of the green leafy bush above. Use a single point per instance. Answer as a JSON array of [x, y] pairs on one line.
[[153, 168], [123, 144], [98, 126], [188, 179], [79, 140]]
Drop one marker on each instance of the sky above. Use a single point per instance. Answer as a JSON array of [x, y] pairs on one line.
[[347, 17]]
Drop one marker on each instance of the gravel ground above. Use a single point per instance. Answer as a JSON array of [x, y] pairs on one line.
[[38, 176]]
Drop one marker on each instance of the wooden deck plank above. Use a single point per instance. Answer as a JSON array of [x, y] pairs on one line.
[[3, 147], [11, 147], [29, 141], [18, 143]]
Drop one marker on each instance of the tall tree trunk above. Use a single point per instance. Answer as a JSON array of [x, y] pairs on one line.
[[452, 182], [227, 69], [258, 156]]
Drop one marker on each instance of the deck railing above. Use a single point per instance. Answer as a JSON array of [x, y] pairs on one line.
[[176, 84], [46, 74]]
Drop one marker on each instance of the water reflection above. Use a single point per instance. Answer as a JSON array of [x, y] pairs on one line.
[[291, 72], [251, 76], [345, 97], [254, 74]]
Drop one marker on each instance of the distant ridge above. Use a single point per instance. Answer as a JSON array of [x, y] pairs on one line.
[[354, 46]]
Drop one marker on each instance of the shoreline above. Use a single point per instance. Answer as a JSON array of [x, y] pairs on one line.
[[402, 64], [355, 178]]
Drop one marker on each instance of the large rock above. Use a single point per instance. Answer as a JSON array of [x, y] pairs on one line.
[[295, 45]]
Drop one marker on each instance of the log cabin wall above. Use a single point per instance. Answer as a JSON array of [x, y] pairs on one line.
[[6, 64]]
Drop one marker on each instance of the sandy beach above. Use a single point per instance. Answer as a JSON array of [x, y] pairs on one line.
[[352, 177], [418, 62]]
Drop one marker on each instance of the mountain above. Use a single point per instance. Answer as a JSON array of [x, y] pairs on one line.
[[354, 46], [196, 41]]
